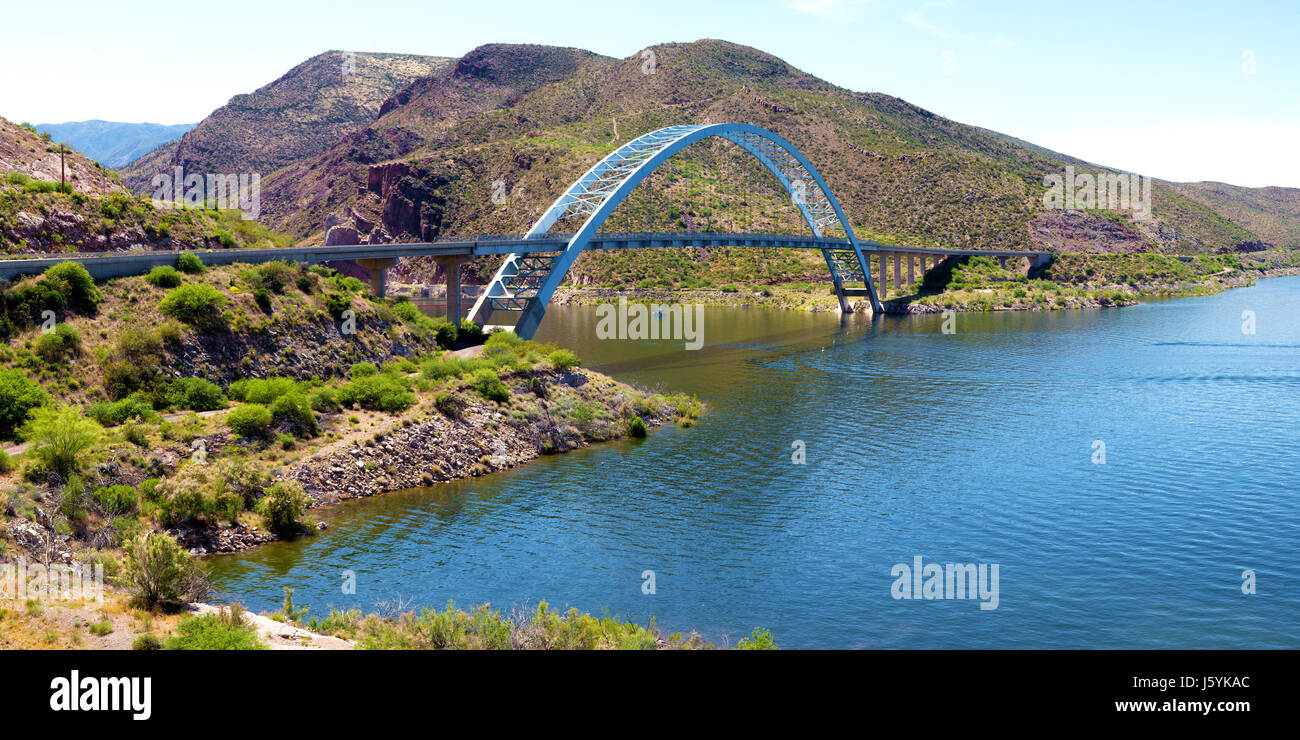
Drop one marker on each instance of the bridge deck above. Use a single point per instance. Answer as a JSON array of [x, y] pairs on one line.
[[104, 265]]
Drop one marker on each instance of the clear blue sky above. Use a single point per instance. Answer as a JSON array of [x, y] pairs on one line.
[[1180, 90]]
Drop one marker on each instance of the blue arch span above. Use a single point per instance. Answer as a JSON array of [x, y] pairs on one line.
[[526, 282]]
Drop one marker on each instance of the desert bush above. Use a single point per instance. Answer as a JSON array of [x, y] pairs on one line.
[[18, 396], [194, 303], [159, 570], [195, 394], [636, 427], [189, 262], [117, 412], [116, 500], [59, 345], [294, 411], [362, 370], [381, 392], [60, 439], [215, 632], [249, 419], [563, 359], [488, 384], [282, 505], [261, 390], [163, 276]]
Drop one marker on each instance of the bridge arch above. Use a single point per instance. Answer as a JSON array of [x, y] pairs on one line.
[[525, 282]]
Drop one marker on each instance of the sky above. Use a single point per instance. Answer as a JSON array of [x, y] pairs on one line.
[[1177, 90]]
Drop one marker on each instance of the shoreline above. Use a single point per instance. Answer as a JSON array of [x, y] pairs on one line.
[[796, 296], [425, 446]]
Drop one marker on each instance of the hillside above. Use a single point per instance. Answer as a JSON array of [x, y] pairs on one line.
[[96, 213], [112, 143], [294, 117], [1273, 213], [26, 153], [536, 117]]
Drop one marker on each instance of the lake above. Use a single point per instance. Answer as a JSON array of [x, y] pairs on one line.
[[1122, 469]]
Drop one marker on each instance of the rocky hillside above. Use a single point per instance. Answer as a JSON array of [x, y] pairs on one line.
[[295, 117], [96, 213], [113, 143], [28, 154], [1272, 213]]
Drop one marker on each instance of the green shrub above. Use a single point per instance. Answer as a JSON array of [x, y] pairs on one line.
[[470, 332], [294, 411], [488, 384], [146, 642], [760, 639], [74, 283], [249, 420], [60, 439], [195, 394], [563, 359], [197, 491], [322, 399], [164, 276], [214, 632], [282, 506], [448, 405], [274, 276], [135, 433], [336, 304], [158, 569], [61, 344], [189, 262], [18, 396], [382, 392], [261, 390], [116, 500], [194, 303], [117, 412], [407, 311], [362, 370], [636, 428]]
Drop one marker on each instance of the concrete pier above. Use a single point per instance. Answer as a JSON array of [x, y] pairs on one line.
[[378, 267], [451, 268]]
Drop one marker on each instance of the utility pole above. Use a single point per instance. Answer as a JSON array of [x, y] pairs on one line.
[[62, 181]]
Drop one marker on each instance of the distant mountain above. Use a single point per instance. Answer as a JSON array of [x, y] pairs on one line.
[[112, 143], [535, 117], [295, 117]]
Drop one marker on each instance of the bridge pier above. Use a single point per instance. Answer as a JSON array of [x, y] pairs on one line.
[[377, 268], [884, 282], [898, 271], [911, 269], [451, 270]]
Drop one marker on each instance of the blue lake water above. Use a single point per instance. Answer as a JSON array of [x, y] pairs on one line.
[[980, 446]]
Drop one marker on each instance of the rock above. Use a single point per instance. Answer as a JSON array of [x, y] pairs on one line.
[[342, 236]]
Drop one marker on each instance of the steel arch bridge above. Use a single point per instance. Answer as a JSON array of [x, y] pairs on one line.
[[526, 280]]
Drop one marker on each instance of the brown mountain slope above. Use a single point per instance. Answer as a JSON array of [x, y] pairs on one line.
[[297, 116], [536, 117], [1273, 213], [24, 152]]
